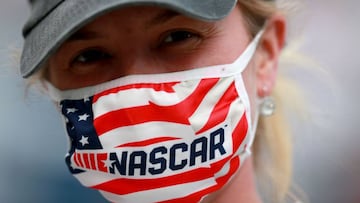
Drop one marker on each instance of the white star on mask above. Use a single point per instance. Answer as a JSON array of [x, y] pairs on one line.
[[70, 110], [84, 117], [108, 163], [84, 140]]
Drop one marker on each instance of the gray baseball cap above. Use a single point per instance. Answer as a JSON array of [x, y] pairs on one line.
[[53, 21]]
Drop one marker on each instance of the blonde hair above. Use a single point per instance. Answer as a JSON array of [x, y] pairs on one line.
[[272, 145]]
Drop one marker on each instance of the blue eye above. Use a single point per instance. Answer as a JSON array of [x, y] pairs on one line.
[[91, 56], [178, 36]]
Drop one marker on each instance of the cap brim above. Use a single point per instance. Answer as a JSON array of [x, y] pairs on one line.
[[46, 37]]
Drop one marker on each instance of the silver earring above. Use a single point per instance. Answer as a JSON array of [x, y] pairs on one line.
[[267, 106]]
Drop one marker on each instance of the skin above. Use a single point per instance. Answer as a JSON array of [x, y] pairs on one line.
[[142, 40]]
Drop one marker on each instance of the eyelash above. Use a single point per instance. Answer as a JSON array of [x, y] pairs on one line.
[[178, 36], [95, 55], [90, 55]]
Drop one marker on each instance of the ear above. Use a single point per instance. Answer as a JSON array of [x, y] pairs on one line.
[[268, 53]]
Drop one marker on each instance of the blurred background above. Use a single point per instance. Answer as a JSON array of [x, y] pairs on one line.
[[326, 144]]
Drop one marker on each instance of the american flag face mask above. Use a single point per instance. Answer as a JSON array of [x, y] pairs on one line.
[[171, 137]]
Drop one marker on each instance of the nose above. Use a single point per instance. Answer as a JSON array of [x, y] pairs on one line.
[[138, 62]]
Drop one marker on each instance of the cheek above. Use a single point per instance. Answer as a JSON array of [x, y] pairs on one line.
[[52, 74]]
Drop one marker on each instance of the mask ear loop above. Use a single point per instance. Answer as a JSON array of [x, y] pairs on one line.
[[253, 128], [258, 103]]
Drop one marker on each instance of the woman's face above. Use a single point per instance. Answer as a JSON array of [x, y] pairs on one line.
[[140, 40]]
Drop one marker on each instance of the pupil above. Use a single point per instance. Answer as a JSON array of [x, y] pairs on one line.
[[91, 55], [180, 35]]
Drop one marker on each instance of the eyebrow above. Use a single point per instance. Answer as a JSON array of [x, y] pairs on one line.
[[162, 17]]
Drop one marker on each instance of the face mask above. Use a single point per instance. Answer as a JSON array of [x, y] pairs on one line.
[[171, 137]]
